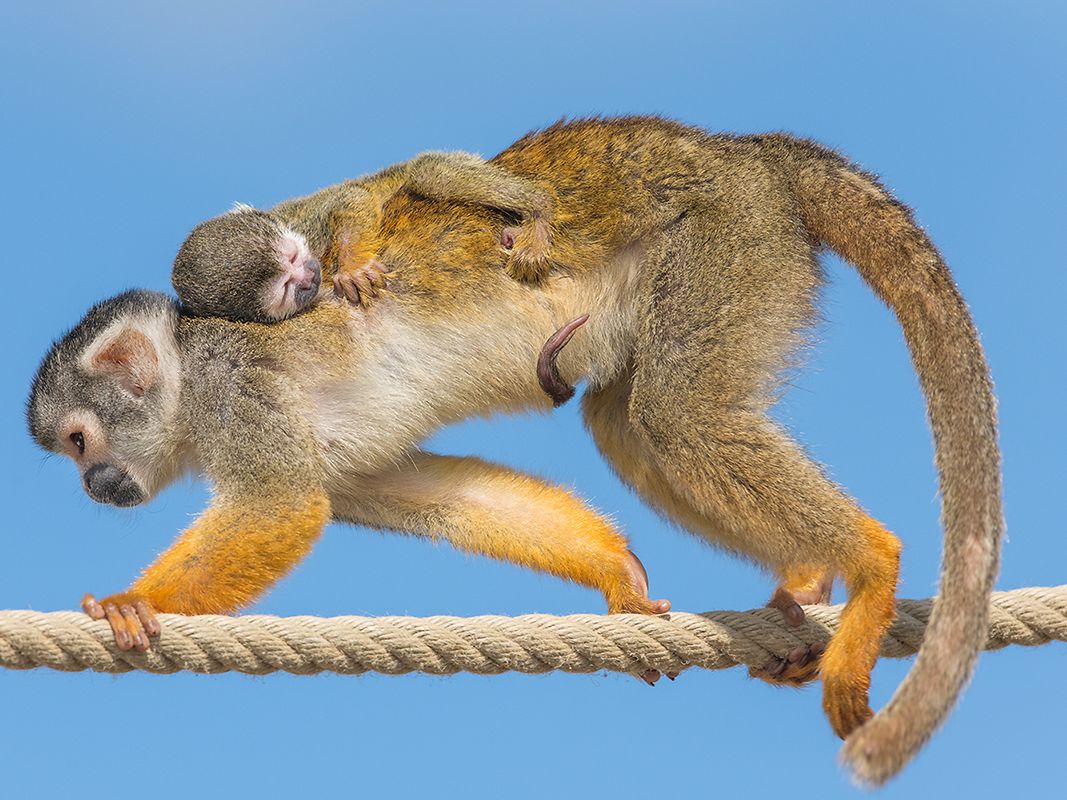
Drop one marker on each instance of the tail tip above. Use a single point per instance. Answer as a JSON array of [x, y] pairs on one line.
[[874, 754]]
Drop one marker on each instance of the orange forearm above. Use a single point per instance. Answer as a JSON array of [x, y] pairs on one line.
[[233, 553]]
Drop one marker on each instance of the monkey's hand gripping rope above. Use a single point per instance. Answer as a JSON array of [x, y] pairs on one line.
[[488, 645]]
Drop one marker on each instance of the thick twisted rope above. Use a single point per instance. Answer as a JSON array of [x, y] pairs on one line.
[[488, 645]]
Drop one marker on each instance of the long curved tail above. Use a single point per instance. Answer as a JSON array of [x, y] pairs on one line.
[[853, 214]]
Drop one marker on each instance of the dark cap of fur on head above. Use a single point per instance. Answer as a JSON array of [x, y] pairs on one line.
[[223, 261], [54, 379]]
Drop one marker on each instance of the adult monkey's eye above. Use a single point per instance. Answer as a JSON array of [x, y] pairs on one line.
[[79, 442]]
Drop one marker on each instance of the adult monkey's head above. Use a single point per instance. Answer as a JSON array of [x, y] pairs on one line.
[[106, 396]]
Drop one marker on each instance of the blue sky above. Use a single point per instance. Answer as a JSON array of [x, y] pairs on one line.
[[124, 125]]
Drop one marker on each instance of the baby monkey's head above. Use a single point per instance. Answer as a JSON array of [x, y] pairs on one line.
[[245, 265]]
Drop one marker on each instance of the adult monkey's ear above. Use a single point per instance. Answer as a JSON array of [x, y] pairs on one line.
[[130, 358]]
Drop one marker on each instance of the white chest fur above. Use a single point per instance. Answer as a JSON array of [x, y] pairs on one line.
[[413, 376]]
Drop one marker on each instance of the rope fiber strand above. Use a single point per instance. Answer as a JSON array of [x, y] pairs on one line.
[[487, 645]]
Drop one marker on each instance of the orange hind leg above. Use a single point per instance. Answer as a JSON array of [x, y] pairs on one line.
[[871, 581]]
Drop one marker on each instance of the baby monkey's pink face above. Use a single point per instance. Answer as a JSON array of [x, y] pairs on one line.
[[296, 284]]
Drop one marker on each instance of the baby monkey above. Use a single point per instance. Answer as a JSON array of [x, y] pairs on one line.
[[265, 266]]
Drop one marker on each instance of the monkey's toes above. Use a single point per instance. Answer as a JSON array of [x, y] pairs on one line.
[[636, 600], [800, 666], [785, 602]]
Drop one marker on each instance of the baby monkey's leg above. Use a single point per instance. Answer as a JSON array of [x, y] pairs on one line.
[[466, 178]]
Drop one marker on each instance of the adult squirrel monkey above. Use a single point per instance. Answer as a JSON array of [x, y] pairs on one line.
[[696, 257]]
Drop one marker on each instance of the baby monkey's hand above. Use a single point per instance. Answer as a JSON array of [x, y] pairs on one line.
[[358, 283]]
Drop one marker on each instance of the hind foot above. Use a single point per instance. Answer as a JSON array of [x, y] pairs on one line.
[[801, 586], [800, 666]]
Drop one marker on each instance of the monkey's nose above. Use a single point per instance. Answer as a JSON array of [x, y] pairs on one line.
[[106, 483], [308, 285]]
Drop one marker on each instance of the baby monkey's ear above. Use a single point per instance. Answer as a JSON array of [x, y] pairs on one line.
[[130, 358]]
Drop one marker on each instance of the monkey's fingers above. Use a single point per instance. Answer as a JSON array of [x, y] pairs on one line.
[[365, 287], [547, 372], [92, 608], [360, 284], [134, 626], [133, 621], [344, 286], [147, 617], [377, 272], [123, 638]]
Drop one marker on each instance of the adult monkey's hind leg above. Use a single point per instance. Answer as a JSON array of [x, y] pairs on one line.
[[729, 294]]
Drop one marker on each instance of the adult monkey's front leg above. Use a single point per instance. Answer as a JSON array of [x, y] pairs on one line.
[[233, 553], [268, 510], [494, 511]]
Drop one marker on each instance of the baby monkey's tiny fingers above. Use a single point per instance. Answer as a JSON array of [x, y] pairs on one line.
[[359, 284]]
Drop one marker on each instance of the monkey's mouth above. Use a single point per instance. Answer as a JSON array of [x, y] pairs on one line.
[[106, 483]]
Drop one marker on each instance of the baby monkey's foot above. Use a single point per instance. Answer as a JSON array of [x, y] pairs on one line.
[[636, 601], [527, 246], [360, 283], [132, 620]]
